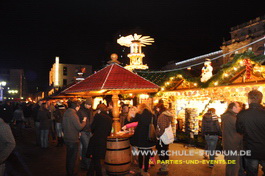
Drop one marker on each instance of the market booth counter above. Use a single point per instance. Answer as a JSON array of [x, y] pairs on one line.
[[114, 80]]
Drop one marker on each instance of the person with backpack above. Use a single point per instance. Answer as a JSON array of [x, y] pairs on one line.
[[164, 121], [211, 130]]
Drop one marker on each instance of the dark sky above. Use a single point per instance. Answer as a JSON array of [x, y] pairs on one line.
[[33, 32]]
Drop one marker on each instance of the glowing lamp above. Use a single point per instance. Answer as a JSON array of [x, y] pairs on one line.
[[3, 83]]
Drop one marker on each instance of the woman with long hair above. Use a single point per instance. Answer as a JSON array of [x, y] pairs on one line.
[[140, 137], [131, 117], [164, 121]]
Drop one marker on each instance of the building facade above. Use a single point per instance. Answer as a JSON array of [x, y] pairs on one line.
[[15, 84], [244, 34], [62, 75]]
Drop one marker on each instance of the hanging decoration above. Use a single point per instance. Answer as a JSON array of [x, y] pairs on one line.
[[259, 70], [248, 65], [169, 80]]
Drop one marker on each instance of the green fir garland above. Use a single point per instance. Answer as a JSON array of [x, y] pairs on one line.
[[222, 77]]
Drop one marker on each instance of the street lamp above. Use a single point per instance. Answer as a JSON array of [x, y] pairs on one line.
[[2, 84]]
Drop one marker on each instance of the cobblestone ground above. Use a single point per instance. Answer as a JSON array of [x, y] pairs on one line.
[[51, 161]]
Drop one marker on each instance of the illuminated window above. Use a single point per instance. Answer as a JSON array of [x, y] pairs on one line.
[[65, 71]]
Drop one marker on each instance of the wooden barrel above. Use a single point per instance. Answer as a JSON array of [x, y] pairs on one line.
[[118, 156]]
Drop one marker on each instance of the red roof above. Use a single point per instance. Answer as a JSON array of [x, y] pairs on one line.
[[112, 77]]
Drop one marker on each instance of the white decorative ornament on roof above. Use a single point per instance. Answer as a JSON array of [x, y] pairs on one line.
[[207, 71], [135, 42], [128, 40]]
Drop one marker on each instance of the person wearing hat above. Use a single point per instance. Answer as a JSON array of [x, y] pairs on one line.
[[85, 111]]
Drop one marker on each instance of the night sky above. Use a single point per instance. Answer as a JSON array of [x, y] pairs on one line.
[[33, 32]]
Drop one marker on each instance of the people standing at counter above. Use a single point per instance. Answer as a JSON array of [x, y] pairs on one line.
[[124, 114], [164, 121], [131, 117], [101, 129], [211, 130], [140, 137], [71, 128], [231, 139], [251, 123]]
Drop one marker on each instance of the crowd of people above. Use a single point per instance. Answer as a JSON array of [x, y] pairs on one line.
[[77, 123], [241, 130]]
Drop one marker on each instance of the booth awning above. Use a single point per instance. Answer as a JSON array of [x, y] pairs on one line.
[[112, 78]]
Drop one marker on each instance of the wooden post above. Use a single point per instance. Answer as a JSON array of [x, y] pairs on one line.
[[115, 112]]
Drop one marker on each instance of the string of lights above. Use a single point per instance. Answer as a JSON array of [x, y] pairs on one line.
[[221, 77], [164, 71], [199, 57]]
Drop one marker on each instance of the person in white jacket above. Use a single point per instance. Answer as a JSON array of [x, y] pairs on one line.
[[7, 144]]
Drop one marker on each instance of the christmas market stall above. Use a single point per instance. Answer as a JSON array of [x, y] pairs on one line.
[[114, 80], [190, 97]]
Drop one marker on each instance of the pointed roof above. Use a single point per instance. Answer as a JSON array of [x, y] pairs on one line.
[[113, 77]]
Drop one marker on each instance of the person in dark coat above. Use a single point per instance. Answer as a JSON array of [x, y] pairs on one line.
[[85, 111], [251, 123], [27, 113], [124, 114], [211, 130], [101, 129], [71, 128], [35, 111], [231, 139], [18, 120], [140, 137], [58, 115], [6, 111], [44, 116]]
